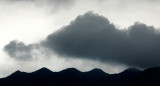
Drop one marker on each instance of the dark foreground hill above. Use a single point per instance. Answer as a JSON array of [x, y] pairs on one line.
[[74, 77]]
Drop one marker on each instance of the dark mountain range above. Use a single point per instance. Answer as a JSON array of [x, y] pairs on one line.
[[74, 77]]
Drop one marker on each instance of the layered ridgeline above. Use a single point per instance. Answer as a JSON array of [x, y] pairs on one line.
[[74, 77]]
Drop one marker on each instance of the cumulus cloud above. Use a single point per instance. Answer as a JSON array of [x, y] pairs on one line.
[[92, 36]]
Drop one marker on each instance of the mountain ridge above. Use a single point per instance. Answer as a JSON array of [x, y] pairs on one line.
[[74, 77], [68, 69]]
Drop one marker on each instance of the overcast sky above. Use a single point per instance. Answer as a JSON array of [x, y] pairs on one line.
[[108, 34]]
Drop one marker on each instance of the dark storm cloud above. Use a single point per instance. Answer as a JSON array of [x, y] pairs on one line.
[[92, 36]]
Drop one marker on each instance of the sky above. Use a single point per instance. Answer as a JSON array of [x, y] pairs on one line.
[[108, 34]]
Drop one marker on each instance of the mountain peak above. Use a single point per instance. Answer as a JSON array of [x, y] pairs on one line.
[[154, 70], [17, 73], [132, 69], [43, 70], [97, 70], [96, 73], [70, 70]]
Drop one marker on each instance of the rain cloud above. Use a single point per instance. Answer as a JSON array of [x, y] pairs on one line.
[[92, 36]]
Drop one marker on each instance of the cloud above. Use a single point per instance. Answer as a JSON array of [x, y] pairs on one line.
[[21, 52], [18, 50], [92, 36]]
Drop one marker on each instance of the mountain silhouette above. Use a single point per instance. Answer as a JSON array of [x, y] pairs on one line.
[[97, 71], [74, 77], [149, 77], [43, 70]]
